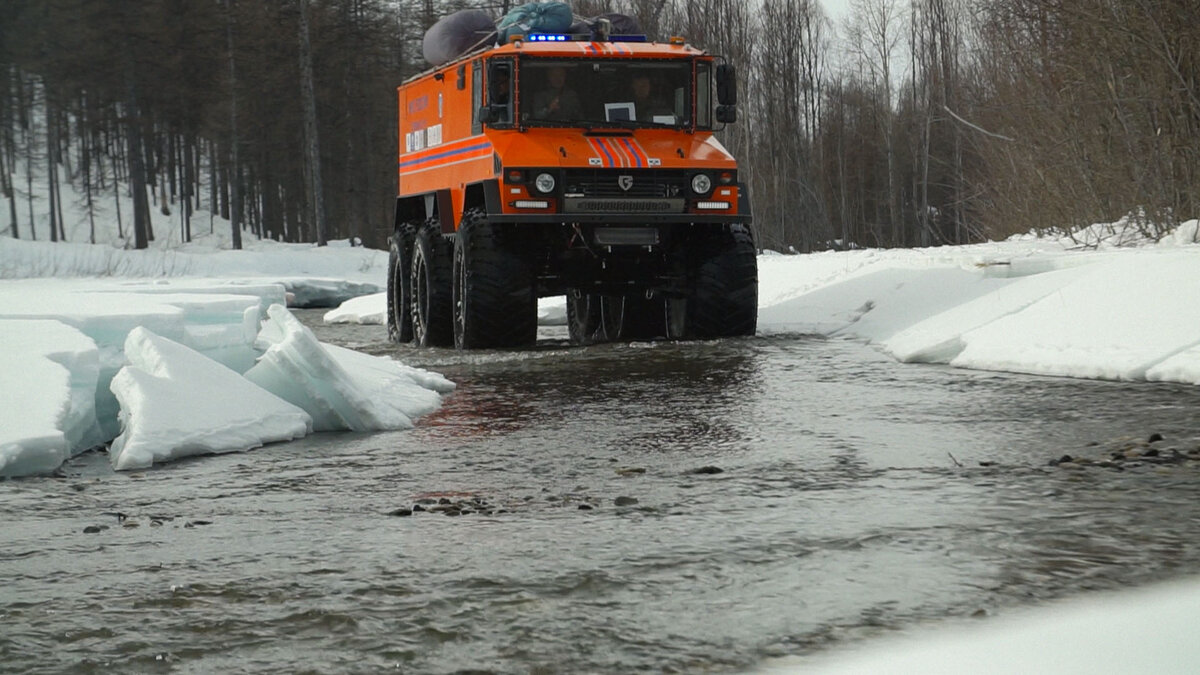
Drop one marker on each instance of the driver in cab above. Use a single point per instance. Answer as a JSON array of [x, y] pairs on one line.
[[556, 102]]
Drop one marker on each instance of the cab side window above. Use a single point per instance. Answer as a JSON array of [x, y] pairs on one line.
[[476, 96], [500, 90]]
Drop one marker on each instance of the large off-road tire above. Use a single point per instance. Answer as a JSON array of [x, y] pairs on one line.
[[494, 303], [723, 301], [592, 318], [399, 284], [432, 289]]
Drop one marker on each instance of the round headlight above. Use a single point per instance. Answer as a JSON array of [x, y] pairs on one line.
[[701, 183], [544, 183]]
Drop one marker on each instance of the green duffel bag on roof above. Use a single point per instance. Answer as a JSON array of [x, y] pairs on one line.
[[536, 17]]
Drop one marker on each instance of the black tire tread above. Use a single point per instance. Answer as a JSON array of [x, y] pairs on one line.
[[724, 301], [438, 252], [499, 307], [399, 298]]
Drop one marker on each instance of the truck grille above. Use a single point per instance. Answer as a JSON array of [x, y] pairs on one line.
[[609, 205], [611, 183]]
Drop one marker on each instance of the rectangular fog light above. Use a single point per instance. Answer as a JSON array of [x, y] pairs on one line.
[[713, 206], [531, 204], [626, 236]]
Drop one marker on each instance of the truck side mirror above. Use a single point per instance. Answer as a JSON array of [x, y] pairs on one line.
[[485, 114], [726, 114], [726, 84]]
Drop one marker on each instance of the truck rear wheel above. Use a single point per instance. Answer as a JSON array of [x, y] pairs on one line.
[[432, 308], [494, 304], [399, 284], [724, 295], [593, 318]]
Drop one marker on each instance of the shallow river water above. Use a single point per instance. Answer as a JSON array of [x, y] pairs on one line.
[[667, 507]]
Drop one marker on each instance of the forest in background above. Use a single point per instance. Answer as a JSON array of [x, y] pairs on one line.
[[911, 123]]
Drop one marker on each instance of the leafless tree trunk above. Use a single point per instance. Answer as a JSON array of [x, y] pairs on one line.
[[312, 142]]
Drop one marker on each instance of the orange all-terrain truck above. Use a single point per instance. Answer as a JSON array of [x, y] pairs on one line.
[[553, 165]]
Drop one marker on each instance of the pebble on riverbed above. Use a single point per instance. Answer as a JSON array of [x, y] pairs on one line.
[[1128, 453], [464, 504]]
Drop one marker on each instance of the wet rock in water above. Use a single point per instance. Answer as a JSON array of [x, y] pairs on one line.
[[979, 614], [444, 500], [585, 507], [417, 508], [1155, 437], [708, 470], [1070, 465], [94, 529], [1152, 452], [625, 501], [402, 513], [987, 463], [631, 471], [1065, 459]]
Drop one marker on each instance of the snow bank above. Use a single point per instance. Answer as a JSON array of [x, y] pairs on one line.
[[48, 377], [1027, 305], [372, 310], [342, 390], [367, 310], [176, 402], [1143, 631], [158, 364]]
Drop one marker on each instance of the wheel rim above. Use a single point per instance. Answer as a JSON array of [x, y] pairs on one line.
[[399, 306], [459, 273], [420, 291]]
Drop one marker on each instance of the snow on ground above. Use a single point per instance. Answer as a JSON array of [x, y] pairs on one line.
[[372, 310], [1142, 631]]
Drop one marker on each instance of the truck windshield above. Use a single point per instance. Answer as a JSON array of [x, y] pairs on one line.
[[599, 92]]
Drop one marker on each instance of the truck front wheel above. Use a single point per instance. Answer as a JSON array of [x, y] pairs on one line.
[[399, 284], [724, 296], [432, 309], [494, 304]]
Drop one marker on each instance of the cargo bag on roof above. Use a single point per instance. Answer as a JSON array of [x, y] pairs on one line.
[[622, 24], [457, 34], [543, 17]]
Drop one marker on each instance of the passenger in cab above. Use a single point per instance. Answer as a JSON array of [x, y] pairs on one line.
[[646, 103]]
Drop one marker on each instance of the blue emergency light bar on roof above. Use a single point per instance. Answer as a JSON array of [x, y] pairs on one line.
[[561, 37]]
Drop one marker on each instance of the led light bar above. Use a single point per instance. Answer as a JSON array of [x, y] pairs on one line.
[[559, 37], [531, 204], [714, 206]]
